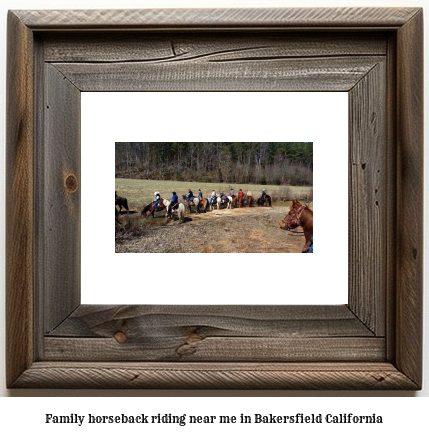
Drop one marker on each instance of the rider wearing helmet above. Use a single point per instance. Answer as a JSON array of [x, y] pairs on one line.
[[157, 199]]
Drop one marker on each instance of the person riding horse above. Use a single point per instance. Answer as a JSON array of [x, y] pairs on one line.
[[264, 194], [213, 196], [174, 201], [157, 199], [189, 195], [200, 195]]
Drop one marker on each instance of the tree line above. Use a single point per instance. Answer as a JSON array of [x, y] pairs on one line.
[[273, 163]]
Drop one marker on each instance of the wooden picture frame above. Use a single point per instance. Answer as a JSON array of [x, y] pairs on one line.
[[373, 342]]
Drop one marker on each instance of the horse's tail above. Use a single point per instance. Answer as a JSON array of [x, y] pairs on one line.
[[269, 201]]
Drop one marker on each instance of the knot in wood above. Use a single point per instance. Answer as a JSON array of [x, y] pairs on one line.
[[120, 337], [71, 183]]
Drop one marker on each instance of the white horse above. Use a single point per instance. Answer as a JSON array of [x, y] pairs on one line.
[[179, 207], [213, 202], [221, 201], [194, 202], [181, 213]]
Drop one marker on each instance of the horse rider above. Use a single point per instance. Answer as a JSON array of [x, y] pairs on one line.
[[174, 201], [213, 196], [231, 192], [200, 195], [222, 195], [157, 199], [189, 196], [240, 194], [264, 194], [249, 194]]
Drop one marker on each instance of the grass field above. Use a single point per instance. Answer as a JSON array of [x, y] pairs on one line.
[[140, 192]]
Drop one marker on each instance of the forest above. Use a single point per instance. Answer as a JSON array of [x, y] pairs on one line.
[[271, 163]]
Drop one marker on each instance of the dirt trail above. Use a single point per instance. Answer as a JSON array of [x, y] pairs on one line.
[[240, 230]]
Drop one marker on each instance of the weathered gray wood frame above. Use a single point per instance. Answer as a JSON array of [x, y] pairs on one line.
[[374, 342]]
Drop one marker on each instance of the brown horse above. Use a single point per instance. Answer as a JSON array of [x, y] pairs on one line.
[[150, 208], [204, 203], [250, 200], [234, 201], [122, 202], [117, 216], [299, 215], [241, 201]]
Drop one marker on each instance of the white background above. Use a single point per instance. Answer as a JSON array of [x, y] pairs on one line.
[[404, 415], [295, 278]]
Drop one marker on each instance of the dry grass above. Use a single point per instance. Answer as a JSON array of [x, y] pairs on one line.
[[140, 192]]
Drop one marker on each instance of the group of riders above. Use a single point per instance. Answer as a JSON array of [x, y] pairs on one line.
[[190, 196]]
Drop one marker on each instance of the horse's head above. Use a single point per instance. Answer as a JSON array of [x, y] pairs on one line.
[[292, 219], [295, 205], [146, 210]]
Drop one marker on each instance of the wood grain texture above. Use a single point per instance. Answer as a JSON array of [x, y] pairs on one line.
[[207, 18], [410, 199], [178, 47], [368, 202], [330, 74], [61, 207], [106, 375], [99, 321], [189, 347], [19, 192], [178, 347], [213, 333]]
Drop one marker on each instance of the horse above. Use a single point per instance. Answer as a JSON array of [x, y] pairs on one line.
[[150, 208], [226, 199], [242, 201], [117, 216], [122, 202], [212, 203], [193, 202], [179, 207], [299, 215], [265, 201], [204, 203], [250, 200], [234, 201]]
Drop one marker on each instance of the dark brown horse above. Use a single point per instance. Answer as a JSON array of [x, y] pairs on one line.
[[122, 202], [150, 208], [265, 202], [299, 215]]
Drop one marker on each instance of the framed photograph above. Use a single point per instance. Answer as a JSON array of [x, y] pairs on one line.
[[57, 340]]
